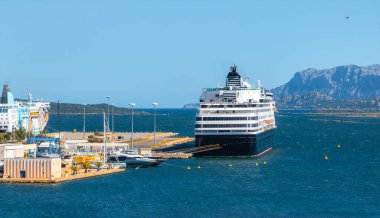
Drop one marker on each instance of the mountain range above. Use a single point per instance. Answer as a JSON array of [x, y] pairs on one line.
[[341, 87], [338, 87]]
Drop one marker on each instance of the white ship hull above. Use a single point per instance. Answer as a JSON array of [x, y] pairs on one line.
[[31, 116], [238, 119]]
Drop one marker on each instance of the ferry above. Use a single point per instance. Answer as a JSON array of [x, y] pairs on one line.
[[29, 115], [238, 118]]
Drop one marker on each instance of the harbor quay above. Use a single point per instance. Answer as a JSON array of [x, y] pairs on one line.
[[159, 140], [48, 170], [67, 156]]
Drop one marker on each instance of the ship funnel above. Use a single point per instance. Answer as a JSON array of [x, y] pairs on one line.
[[233, 78], [4, 96]]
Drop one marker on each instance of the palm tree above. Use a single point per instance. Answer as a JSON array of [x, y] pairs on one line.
[[109, 165], [98, 165], [45, 132], [7, 136], [86, 165], [74, 169], [20, 134]]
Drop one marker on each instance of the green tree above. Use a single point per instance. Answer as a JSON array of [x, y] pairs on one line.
[[7, 136], [45, 132], [20, 134], [2, 137], [29, 134]]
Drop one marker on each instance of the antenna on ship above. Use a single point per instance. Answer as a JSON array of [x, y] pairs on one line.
[[233, 68]]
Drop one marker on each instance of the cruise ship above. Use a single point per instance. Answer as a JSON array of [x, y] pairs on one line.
[[30, 115], [238, 118]]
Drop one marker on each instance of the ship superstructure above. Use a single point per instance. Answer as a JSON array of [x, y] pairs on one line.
[[30, 115], [237, 117]]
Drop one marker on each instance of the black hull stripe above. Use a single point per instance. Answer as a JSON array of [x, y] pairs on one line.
[[236, 145]]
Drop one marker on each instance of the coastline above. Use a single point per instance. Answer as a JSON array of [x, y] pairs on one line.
[[340, 113], [349, 114], [134, 114]]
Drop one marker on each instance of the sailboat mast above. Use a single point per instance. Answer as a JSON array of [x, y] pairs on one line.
[[104, 139], [59, 130]]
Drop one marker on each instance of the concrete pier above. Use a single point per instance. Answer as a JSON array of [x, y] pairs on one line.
[[65, 178], [94, 141]]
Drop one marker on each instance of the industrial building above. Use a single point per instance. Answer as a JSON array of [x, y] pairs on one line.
[[32, 168], [14, 150]]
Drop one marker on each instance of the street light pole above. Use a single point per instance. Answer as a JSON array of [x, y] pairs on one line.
[[132, 105], [108, 113], [155, 123], [113, 119], [104, 139], [84, 120]]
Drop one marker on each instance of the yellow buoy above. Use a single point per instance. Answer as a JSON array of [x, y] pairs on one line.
[[338, 146], [230, 165], [326, 158], [257, 164], [265, 162], [188, 167], [199, 167]]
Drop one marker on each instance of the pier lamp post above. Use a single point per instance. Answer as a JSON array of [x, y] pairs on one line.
[[108, 113], [113, 119], [84, 120], [132, 105], [154, 122]]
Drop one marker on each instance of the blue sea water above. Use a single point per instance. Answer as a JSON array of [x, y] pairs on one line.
[[295, 182]]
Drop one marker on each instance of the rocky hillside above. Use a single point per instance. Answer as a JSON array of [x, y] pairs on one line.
[[342, 83]]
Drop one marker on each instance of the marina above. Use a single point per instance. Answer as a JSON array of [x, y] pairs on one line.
[[42, 157], [74, 150]]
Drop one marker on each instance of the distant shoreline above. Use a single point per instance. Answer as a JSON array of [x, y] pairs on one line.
[[134, 114], [340, 113], [349, 114]]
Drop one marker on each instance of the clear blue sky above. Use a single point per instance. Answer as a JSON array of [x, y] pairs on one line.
[[166, 51]]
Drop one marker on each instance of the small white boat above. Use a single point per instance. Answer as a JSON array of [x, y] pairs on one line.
[[131, 159]]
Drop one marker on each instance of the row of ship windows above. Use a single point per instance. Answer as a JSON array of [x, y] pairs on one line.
[[5, 127], [266, 116], [235, 106], [242, 111], [265, 100], [225, 118], [225, 125], [216, 131]]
